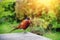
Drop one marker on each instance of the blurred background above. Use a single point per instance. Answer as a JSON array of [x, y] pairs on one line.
[[45, 16]]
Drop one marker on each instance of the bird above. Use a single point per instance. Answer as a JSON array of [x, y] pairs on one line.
[[23, 25]]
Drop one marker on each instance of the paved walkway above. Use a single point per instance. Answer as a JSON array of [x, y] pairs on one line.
[[22, 36]]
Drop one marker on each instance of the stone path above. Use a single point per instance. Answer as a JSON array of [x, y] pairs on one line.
[[22, 36]]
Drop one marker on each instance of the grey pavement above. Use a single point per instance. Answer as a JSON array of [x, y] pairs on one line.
[[22, 36]]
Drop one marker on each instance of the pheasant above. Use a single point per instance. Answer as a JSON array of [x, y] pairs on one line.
[[23, 25]]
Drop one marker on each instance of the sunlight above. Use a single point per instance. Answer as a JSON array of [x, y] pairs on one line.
[[51, 4], [47, 3], [44, 2]]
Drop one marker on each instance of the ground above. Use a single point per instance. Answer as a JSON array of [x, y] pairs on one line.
[[22, 36]]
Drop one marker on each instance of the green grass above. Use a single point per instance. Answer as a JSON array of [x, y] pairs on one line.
[[7, 27], [53, 35]]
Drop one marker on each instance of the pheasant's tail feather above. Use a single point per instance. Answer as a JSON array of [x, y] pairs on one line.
[[13, 30]]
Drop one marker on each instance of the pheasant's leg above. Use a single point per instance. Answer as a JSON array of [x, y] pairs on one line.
[[24, 31]]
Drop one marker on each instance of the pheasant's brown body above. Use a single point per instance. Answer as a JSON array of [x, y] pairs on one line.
[[24, 24]]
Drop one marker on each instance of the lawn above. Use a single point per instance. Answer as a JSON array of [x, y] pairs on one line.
[[53, 35], [6, 27]]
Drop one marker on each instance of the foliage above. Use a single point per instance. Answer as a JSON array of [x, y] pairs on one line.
[[41, 16], [6, 8], [7, 11]]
